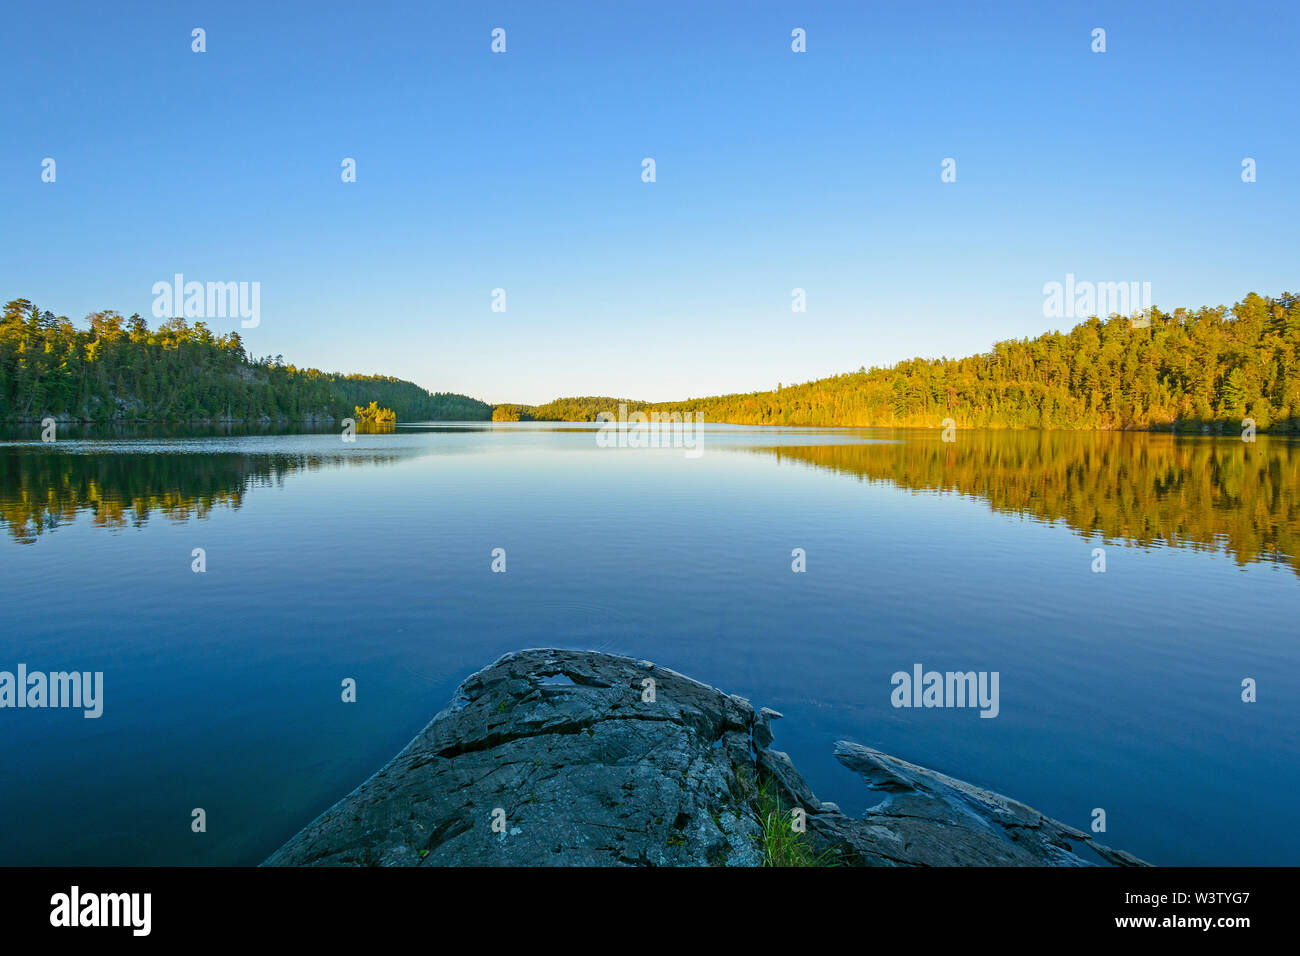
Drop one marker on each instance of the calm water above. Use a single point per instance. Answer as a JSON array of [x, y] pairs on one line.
[[372, 560]]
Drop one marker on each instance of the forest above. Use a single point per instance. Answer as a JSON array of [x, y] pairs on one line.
[[1184, 370], [120, 370]]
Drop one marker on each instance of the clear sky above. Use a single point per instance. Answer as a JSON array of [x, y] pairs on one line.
[[522, 171]]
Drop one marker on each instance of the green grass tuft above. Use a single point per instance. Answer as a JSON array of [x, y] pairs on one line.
[[782, 845]]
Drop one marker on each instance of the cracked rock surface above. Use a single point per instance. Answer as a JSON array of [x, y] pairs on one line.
[[571, 758], [925, 818]]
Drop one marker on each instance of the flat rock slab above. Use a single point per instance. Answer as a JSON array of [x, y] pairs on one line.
[[925, 818], [575, 758]]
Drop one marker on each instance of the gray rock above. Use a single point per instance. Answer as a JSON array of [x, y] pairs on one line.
[[763, 727], [586, 773], [928, 819], [555, 758]]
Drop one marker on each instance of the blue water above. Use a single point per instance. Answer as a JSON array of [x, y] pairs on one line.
[[372, 561]]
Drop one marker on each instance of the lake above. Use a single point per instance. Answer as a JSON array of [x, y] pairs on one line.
[[372, 560]]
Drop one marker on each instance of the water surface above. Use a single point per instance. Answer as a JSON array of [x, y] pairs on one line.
[[372, 560]]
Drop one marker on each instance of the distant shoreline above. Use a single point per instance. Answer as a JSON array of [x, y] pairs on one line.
[[1179, 430]]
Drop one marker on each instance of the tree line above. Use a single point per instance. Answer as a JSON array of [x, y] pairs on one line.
[[120, 370], [1185, 370]]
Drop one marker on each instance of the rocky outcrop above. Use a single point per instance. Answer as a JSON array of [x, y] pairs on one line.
[[576, 758], [928, 819]]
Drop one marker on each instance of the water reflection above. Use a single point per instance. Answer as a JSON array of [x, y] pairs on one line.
[[1147, 490], [42, 489], [1141, 489]]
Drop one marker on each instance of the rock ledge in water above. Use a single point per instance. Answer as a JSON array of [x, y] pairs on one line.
[[578, 768]]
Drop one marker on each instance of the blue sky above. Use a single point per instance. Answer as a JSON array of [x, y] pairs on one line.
[[522, 171]]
